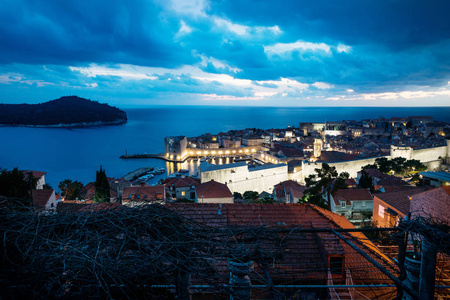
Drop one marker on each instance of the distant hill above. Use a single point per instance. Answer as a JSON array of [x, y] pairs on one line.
[[68, 111]]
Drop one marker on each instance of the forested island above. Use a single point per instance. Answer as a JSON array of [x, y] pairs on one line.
[[67, 111]]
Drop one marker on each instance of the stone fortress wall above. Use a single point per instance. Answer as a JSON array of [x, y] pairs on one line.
[[240, 178], [433, 158]]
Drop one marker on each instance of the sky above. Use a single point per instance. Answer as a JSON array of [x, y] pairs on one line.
[[227, 52]]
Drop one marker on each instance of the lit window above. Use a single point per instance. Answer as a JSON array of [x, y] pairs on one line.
[[183, 193]]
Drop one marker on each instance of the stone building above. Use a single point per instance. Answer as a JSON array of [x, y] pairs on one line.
[[175, 147], [354, 204], [213, 192]]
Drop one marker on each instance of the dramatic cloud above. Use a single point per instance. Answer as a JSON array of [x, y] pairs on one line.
[[293, 52]]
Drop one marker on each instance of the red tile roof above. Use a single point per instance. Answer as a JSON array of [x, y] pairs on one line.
[[350, 182], [432, 203], [400, 200], [181, 182], [41, 197], [302, 257], [289, 186], [373, 173], [213, 189], [36, 174], [143, 193], [349, 195], [64, 207]]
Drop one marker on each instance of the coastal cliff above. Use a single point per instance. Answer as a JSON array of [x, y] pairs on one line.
[[68, 111]]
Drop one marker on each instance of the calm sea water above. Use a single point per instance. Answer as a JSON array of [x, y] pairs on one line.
[[77, 153]]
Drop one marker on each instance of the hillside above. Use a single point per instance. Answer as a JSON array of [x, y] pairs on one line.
[[66, 111]]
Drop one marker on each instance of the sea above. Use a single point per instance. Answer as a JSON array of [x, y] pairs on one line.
[[77, 153]]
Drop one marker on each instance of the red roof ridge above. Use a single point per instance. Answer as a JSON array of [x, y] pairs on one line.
[[364, 242]]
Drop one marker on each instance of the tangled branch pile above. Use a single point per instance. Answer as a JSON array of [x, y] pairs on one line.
[[120, 253]]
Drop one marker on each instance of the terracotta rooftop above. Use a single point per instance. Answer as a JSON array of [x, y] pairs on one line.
[[289, 186], [41, 197], [291, 152], [432, 203], [63, 207], [181, 182], [36, 174], [400, 200], [335, 156], [303, 255], [143, 193], [373, 173], [349, 195], [213, 189]]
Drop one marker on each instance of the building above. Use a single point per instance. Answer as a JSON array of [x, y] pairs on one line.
[[240, 178], [44, 200], [389, 207], [175, 147], [355, 204], [288, 191], [213, 192], [416, 120], [435, 178], [40, 176], [251, 141], [139, 195], [181, 188]]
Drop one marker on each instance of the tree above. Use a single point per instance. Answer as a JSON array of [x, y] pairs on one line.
[[414, 166], [321, 185], [70, 189], [398, 165], [251, 195], [14, 184], [47, 186], [366, 181], [383, 164], [339, 182], [102, 188], [237, 195]]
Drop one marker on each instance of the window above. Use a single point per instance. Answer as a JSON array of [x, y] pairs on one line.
[[336, 265], [129, 196], [381, 211], [183, 193], [343, 205], [145, 196], [363, 203]]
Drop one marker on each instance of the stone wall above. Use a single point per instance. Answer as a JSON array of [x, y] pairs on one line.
[[239, 178], [352, 167], [431, 157]]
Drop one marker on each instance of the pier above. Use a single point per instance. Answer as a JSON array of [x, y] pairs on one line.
[[137, 173]]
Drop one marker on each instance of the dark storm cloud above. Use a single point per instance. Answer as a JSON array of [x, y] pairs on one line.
[[70, 32], [230, 47]]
